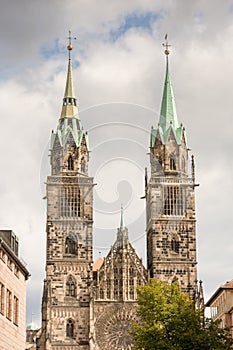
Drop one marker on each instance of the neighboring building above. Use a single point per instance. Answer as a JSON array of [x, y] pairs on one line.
[[221, 305], [86, 306], [13, 276]]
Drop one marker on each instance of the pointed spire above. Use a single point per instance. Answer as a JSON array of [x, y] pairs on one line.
[[122, 231], [69, 108], [168, 116], [122, 218], [69, 90]]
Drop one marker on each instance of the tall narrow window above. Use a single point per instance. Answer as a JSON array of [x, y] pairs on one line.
[[70, 329], [2, 297], [70, 287], [183, 164], [8, 304], [101, 294], [160, 162], [16, 311], [70, 163], [70, 246], [172, 162], [174, 200], [175, 245], [83, 165], [70, 201]]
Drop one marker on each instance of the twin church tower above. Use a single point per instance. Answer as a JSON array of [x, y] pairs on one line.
[[91, 306]]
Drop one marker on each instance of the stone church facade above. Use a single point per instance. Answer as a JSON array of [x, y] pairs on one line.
[[91, 306]]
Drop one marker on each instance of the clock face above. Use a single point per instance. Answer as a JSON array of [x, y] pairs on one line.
[[113, 326]]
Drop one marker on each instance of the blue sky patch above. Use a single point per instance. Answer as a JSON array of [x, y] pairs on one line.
[[135, 21], [47, 51]]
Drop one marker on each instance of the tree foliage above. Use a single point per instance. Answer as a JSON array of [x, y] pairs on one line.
[[169, 321]]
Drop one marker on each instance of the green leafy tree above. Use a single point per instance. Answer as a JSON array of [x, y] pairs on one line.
[[169, 321]]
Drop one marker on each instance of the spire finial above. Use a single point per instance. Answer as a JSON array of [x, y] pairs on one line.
[[166, 45], [70, 47], [122, 218]]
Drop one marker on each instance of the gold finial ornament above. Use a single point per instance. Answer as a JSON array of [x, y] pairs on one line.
[[70, 47], [166, 45]]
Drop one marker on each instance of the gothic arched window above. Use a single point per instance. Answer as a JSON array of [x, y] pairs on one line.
[[131, 271], [70, 246], [70, 328], [83, 165], [79, 204], [175, 245], [70, 287], [101, 294], [172, 162], [183, 164], [70, 163]]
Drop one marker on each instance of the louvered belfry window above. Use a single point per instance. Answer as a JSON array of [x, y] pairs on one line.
[[70, 201], [174, 201]]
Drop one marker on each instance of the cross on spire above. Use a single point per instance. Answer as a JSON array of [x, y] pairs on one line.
[[166, 45], [70, 47]]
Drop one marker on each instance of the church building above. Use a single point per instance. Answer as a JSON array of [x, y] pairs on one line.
[[90, 306]]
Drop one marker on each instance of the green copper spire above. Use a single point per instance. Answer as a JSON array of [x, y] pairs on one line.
[[168, 121], [122, 218], [168, 116], [69, 108]]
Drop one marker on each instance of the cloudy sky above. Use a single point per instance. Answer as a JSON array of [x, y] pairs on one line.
[[119, 68]]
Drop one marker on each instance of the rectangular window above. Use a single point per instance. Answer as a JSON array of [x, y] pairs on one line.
[[16, 271], [16, 247], [2, 298], [9, 263], [174, 200], [2, 256], [8, 304], [16, 311]]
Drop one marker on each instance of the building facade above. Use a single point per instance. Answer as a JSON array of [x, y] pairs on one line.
[[221, 305], [88, 306], [13, 276], [116, 278]]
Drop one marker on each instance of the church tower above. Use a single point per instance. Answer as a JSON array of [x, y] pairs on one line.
[[65, 303], [170, 199]]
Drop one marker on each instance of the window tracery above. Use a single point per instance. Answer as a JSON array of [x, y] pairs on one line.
[[70, 201], [70, 163], [172, 162], [70, 328], [70, 287], [70, 246]]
